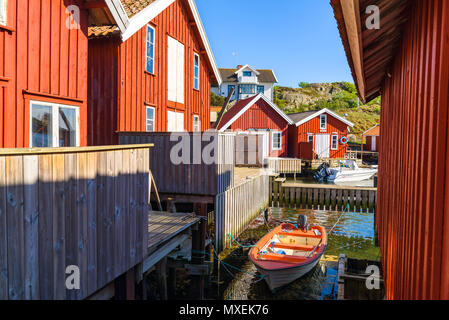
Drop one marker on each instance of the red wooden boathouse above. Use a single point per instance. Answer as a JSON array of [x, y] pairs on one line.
[[407, 61], [320, 134], [258, 113], [154, 74]]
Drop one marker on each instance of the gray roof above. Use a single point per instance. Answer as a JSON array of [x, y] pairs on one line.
[[228, 75], [296, 117]]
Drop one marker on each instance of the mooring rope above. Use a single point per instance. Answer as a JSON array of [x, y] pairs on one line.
[[338, 220]]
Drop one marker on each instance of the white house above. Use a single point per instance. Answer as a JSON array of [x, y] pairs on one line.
[[247, 82]]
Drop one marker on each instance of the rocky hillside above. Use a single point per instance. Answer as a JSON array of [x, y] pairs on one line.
[[340, 97]]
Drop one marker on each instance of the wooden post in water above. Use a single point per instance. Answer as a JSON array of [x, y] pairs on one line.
[[161, 271], [125, 286], [198, 251]]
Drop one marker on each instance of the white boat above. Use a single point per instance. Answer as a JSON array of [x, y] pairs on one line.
[[348, 172]]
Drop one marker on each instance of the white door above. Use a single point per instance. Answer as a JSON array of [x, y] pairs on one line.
[[175, 121], [266, 145], [373, 143], [322, 144], [175, 70]]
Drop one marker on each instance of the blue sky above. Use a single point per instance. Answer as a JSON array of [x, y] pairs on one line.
[[298, 39]]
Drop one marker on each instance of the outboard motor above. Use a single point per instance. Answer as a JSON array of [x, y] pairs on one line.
[[322, 172], [302, 222]]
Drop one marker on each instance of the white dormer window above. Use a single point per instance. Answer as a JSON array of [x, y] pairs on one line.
[[3, 12], [323, 122], [247, 73]]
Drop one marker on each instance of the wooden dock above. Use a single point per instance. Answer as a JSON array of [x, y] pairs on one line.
[[322, 196], [285, 165]]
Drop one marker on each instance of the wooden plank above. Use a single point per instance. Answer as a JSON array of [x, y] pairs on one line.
[[14, 218], [82, 218], [31, 215], [92, 189], [46, 196], [3, 233], [59, 252], [119, 215]]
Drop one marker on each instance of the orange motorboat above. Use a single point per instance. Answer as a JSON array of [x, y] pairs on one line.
[[288, 252]]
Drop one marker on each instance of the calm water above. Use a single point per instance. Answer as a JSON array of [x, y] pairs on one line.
[[353, 235]]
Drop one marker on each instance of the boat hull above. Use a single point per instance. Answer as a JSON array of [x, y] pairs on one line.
[[359, 175], [281, 277]]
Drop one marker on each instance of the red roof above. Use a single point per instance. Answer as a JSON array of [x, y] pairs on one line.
[[374, 131], [239, 106]]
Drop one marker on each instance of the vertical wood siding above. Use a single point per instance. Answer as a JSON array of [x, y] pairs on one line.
[[138, 89], [262, 116], [40, 59], [413, 203], [313, 126]]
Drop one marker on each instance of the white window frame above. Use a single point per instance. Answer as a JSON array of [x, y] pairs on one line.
[[154, 50], [272, 140], [198, 125], [332, 142], [55, 121], [325, 122], [194, 77], [153, 120], [4, 12], [308, 137]]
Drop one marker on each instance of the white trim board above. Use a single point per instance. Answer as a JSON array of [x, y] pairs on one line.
[[250, 104], [320, 112], [131, 26], [249, 67]]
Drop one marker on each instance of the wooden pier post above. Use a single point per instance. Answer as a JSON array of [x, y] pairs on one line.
[[199, 251], [125, 286], [161, 271]]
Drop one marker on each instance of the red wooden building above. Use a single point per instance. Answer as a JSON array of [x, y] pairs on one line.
[[320, 134], [406, 60], [43, 68], [372, 139], [258, 113], [153, 73]]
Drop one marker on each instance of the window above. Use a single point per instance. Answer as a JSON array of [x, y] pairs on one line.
[[276, 143], [175, 70], [247, 73], [261, 89], [334, 142], [150, 119], [247, 89], [4, 12], [150, 49], [230, 87], [54, 125], [196, 72], [310, 137], [323, 122], [196, 123]]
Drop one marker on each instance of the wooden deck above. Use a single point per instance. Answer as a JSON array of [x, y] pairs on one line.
[[242, 174], [163, 226]]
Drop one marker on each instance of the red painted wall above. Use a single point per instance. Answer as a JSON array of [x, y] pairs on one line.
[[262, 116], [40, 59], [413, 201], [302, 151], [135, 88], [369, 144]]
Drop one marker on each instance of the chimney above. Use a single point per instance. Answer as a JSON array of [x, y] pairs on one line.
[[239, 67]]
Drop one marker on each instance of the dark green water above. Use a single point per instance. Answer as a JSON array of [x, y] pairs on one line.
[[353, 235]]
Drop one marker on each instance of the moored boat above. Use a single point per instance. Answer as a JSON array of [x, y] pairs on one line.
[[288, 252]]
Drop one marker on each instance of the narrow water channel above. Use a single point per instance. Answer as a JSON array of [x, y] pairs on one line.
[[353, 235]]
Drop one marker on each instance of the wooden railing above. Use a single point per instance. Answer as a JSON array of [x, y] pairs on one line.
[[82, 207], [237, 207], [285, 165]]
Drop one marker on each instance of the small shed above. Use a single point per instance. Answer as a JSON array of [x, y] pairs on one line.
[[372, 139], [259, 114], [318, 134]]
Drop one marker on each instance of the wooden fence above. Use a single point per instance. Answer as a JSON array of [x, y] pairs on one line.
[[238, 206], [329, 197], [194, 176], [285, 165], [83, 207]]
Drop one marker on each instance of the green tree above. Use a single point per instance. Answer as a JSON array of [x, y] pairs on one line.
[[216, 100]]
